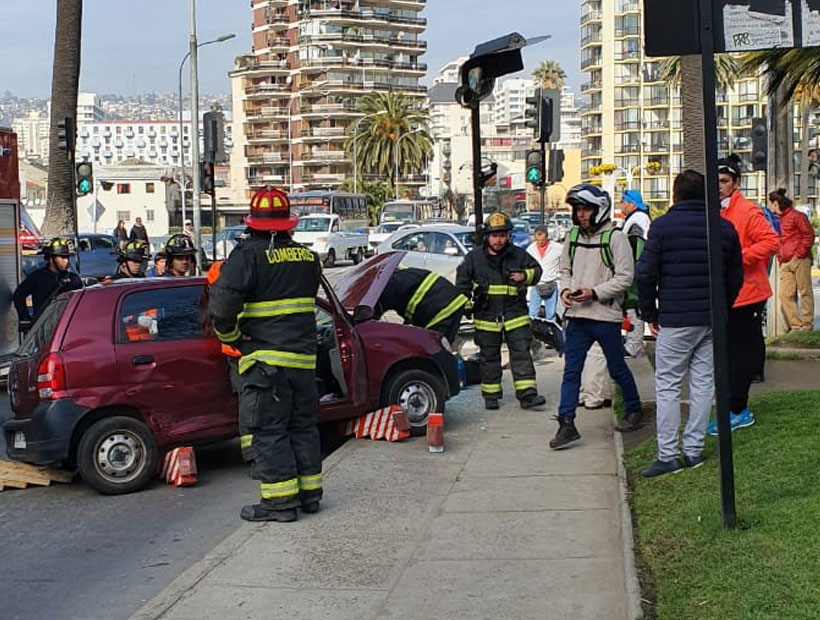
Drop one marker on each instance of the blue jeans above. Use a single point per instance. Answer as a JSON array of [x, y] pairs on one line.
[[579, 335], [549, 303]]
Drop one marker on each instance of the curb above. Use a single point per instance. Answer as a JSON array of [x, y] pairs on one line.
[[806, 354], [633, 586], [175, 591]]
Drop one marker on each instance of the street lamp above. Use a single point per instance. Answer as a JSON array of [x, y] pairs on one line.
[[356, 147], [396, 154], [224, 37]]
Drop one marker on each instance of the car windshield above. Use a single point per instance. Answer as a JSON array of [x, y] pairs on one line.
[[229, 234], [39, 336], [313, 224], [521, 227], [388, 228], [467, 239]]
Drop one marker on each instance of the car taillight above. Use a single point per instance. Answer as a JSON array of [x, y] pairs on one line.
[[51, 377]]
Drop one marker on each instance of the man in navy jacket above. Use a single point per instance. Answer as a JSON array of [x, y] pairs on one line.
[[673, 289]]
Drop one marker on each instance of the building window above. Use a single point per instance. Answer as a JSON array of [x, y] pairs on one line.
[[125, 216], [149, 188], [149, 215], [123, 188]]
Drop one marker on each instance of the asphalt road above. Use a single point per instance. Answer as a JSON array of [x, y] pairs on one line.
[[67, 552]]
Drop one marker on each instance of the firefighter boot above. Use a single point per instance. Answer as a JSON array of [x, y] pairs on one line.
[[532, 401], [491, 403], [261, 512], [567, 433], [310, 506]]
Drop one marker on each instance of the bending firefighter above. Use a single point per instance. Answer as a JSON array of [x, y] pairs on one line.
[[263, 303], [496, 276], [45, 284], [424, 299]]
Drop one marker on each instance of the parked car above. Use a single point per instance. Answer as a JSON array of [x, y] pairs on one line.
[[324, 235], [226, 240], [383, 231], [111, 396], [98, 257], [521, 233], [437, 247]]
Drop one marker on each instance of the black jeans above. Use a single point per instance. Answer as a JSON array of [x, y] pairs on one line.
[[747, 352]]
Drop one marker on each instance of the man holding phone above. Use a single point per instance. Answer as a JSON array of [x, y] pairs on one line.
[[597, 268]]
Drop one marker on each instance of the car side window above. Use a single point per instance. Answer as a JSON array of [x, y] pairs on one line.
[[415, 242], [442, 243], [335, 226], [84, 244], [163, 314], [103, 243]]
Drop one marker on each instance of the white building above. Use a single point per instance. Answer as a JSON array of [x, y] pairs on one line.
[[511, 99], [570, 139], [110, 142], [126, 193], [449, 73], [89, 108], [32, 136]]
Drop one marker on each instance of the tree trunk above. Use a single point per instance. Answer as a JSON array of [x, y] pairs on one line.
[[65, 80], [691, 91], [805, 145], [781, 143]]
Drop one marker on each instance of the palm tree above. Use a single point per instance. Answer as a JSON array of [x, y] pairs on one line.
[[65, 80], [393, 127], [549, 74], [684, 72]]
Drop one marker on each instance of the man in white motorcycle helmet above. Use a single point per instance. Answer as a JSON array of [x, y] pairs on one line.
[[596, 270]]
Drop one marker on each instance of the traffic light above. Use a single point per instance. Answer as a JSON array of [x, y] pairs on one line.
[[535, 167], [207, 177], [556, 167], [84, 177], [539, 116], [488, 174], [66, 135], [760, 144]]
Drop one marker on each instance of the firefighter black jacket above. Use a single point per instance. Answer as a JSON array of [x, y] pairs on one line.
[[418, 295], [264, 300]]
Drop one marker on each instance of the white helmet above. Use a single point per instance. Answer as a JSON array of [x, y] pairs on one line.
[[587, 195]]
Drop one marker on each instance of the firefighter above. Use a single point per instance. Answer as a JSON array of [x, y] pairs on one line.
[[496, 275], [46, 283], [263, 304], [180, 256], [423, 299], [131, 257]]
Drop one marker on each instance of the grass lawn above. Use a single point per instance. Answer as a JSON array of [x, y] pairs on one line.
[[769, 567], [799, 340]]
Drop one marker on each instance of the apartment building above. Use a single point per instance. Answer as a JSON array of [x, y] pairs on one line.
[[107, 143], [633, 120], [295, 96], [32, 136]]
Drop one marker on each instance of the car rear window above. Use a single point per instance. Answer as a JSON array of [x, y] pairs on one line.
[[163, 314], [39, 336]]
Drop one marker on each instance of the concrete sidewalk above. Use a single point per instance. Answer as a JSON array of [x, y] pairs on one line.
[[498, 526]]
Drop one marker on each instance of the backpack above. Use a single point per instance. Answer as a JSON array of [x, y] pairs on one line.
[[636, 242]]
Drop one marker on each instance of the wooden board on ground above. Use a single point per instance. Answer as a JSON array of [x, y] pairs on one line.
[[16, 475]]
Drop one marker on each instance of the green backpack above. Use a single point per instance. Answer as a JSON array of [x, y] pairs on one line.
[[636, 242]]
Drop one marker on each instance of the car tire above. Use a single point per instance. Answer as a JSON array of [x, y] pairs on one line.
[[357, 256], [117, 455], [330, 259], [419, 393]]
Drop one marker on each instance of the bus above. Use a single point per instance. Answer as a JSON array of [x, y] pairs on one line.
[[407, 211], [352, 208]]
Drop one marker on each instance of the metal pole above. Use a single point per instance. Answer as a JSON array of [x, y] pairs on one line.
[[475, 116], [717, 287], [195, 135], [396, 163], [95, 206], [543, 181], [181, 145]]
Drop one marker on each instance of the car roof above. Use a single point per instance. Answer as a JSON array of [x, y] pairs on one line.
[[442, 227]]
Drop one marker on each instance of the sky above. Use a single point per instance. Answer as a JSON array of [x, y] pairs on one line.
[[135, 46]]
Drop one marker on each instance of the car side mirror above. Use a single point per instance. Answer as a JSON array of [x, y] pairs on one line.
[[362, 314]]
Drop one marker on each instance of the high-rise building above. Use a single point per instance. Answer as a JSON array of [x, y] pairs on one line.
[[511, 99], [112, 142], [32, 136], [89, 108], [449, 73], [295, 95], [633, 120]]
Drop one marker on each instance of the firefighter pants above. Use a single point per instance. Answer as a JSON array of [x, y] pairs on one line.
[[449, 326], [277, 425], [518, 342]]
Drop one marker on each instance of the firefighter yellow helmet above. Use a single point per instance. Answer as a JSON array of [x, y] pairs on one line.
[[497, 222]]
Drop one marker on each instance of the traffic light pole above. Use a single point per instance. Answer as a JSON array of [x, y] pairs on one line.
[[475, 115], [543, 188]]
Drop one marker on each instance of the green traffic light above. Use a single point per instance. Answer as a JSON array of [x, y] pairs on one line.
[[533, 175], [84, 186]]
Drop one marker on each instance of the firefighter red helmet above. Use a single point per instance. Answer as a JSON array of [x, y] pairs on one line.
[[270, 210]]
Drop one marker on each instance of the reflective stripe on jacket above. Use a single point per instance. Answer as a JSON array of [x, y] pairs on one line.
[[422, 297]]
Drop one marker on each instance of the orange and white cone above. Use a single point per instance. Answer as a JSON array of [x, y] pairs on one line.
[[388, 423], [179, 467]]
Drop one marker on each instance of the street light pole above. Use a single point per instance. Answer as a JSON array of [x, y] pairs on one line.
[[195, 132], [220, 39]]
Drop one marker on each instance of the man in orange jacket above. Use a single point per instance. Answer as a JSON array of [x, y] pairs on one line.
[[758, 243]]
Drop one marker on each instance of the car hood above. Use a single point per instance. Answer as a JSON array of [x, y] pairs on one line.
[[364, 284]]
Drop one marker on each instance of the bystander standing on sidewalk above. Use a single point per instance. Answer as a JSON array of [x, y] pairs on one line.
[[121, 232], [794, 256], [636, 228], [138, 231], [596, 270], [673, 286], [545, 292], [758, 242]]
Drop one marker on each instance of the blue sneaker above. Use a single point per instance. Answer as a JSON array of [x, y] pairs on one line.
[[741, 420], [712, 428], [659, 468], [692, 462]]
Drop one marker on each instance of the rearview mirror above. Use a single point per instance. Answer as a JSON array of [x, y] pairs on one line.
[[362, 314]]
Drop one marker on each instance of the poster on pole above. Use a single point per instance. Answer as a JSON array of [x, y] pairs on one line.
[[764, 24], [810, 13]]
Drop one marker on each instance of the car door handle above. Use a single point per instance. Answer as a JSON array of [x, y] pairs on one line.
[[142, 360]]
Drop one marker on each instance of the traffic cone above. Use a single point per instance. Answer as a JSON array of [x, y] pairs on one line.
[[435, 432], [179, 467]]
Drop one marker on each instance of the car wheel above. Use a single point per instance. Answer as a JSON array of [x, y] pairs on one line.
[[330, 261], [358, 256], [419, 393], [117, 455]]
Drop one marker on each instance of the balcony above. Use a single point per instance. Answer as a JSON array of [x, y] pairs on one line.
[[343, 85], [628, 56], [592, 16], [367, 15], [324, 132], [591, 131], [328, 109], [621, 80], [588, 63], [266, 158], [261, 180], [628, 126], [626, 103], [621, 33], [266, 135], [323, 156], [657, 194], [628, 148], [591, 38], [592, 85], [592, 152], [324, 177], [628, 7], [357, 40], [654, 102], [657, 125], [657, 147], [342, 61]]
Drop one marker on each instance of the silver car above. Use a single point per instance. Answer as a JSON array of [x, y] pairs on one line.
[[437, 247]]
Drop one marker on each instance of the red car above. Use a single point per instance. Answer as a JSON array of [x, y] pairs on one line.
[[112, 376]]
